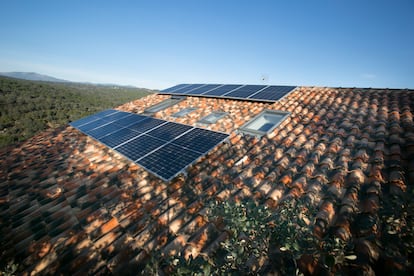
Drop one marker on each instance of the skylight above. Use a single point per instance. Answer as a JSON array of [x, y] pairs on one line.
[[212, 117], [163, 105], [264, 123], [184, 112]]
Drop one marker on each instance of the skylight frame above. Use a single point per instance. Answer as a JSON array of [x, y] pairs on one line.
[[164, 105], [205, 120], [250, 129]]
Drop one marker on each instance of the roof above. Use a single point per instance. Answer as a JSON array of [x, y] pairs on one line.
[[71, 205]]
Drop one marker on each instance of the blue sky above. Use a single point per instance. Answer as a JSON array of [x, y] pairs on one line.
[[156, 44]]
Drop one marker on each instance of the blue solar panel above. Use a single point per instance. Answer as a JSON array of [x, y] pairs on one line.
[[203, 89], [222, 90], [273, 93], [102, 131], [93, 117], [200, 140], [105, 113], [139, 147], [233, 91], [92, 125], [169, 160], [165, 149], [169, 131], [115, 139], [130, 120], [187, 89], [245, 91], [174, 88], [116, 116], [146, 124]]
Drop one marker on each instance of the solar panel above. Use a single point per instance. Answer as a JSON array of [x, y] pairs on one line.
[[273, 93], [203, 89], [116, 116], [244, 91], [116, 138], [163, 148], [169, 131], [169, 160], [102, 131], [139, 147], [200, 140], [187, 89], [104, 113], [130, 120], [146, 124], [93, 117], [222, 90], [92, 125], [261, 93], [172, 89]]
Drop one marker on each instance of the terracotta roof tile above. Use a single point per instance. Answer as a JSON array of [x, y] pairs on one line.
[[83, 208]]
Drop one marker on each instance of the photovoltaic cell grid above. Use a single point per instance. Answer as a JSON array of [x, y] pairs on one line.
[[161, 147], [265, 93]]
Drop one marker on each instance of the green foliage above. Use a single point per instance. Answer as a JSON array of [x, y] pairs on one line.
[[293, 235], [293, 232], [248, 226], [27, 107], [260, 241], [178, 265], [10, 269], [398, 226]]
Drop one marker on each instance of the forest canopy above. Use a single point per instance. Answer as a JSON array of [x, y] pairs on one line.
[[27, 107]]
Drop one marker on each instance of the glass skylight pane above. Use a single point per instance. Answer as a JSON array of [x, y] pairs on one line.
[[163, 105], [184, 112], [212, 118], [264, 122]]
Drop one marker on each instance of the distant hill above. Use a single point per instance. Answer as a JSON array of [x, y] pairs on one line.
[[31, 76], [28, 107]]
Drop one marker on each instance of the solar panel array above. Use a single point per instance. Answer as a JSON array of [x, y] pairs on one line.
[[265, 93], [161, 147]]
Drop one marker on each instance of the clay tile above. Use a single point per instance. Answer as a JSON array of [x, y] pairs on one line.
[[326, 212], [298, 129], [350, 141], [356, 177], [395, 149], [334, 148], [314, 137], [346, 152], [309, 145], [284, 162], [282, 134], [375, 174], [395, 139], [394, 127], [308, 169], [394, 116], [355, 129], [299, 141], [321, 147], [378, 157], [291, 152], [407, 118], [341, 133], [327, 163], [286, 179], [288, 140]]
